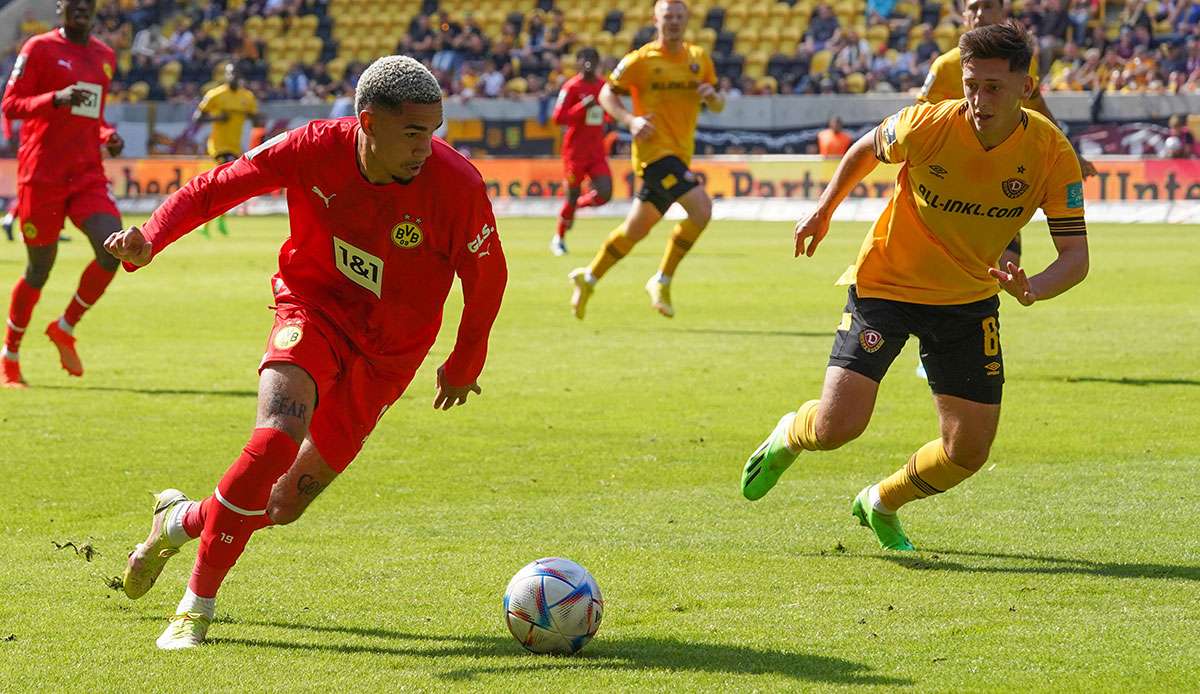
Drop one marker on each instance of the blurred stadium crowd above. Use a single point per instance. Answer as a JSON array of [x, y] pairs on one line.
[[314, 50]]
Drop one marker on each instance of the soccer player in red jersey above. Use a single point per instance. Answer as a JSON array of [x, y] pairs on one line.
[[383, 217], [579, 109], [58, 87]]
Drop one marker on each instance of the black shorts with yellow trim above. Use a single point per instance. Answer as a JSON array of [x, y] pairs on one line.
[[225, 157], [666, 180], [960, 344]]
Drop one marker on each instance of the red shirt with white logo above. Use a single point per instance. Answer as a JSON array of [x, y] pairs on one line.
[[377, 261], [53, 148], [584, 118]]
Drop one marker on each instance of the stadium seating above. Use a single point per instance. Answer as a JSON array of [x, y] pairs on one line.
[[749, 39]]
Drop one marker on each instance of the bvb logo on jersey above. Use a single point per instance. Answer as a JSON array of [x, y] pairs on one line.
[[1014, 187], [870, 340], [407, 234], [288, 337], [29, 230]]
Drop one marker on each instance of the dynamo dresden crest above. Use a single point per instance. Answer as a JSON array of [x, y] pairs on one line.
[[870, 340], [1014, 187]]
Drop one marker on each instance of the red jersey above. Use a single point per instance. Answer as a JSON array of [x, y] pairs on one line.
[[377, 261], [584, 139], [52, 149]]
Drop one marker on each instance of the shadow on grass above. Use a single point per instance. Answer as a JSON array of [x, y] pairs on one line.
[[156, 391], [935, 560], [612, 654], [1125, 381]]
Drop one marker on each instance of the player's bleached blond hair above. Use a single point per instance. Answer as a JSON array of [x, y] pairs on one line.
[[395, 80]]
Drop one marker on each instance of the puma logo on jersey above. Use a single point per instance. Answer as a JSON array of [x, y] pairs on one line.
[[322, 196], [482, 236], [64, 63]]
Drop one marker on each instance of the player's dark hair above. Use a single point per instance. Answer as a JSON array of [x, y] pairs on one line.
[[1007, 40], [589, 53], [393, 81]]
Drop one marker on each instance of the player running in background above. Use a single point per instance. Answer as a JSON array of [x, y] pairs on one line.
[[669, 80], [974, 171], [383, 217], [227, 107], [583, 151], [58, 87]]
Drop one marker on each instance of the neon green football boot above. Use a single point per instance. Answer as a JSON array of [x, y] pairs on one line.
[[147, 560], [767, 463], [886, 526], [185, 630]]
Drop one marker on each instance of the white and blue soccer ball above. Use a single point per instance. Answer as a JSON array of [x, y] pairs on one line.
[[553, 605]]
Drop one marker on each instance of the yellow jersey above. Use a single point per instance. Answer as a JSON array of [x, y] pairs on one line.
[[945, 79], [664, 84], [956, 206], [239, 104]]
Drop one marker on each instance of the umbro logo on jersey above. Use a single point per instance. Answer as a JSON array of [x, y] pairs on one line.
[[64, 63], [938, 170], [323, 196]]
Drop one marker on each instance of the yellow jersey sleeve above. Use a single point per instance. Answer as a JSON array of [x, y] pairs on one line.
[[901, 137], [251, 104], [209, 104], [628, 73], [708, 71], [944, 80], [1063, 198]]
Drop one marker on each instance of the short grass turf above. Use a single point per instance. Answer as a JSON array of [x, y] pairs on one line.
[[1069, 564]]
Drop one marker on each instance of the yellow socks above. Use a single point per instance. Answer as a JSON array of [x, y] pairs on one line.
[[802, 435], [615, 248], [682, 239], [930, 471]]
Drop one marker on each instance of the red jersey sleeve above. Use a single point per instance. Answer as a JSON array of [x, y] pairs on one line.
[[478, 261], [23, 98], [570, 109], [261, 170]]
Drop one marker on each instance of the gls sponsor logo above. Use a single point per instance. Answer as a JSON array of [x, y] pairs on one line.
[[482, 236], [358, 266], [974, 209]]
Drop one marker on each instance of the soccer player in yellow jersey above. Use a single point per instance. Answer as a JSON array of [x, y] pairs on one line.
[[974, 170], [227, 107], [669, 80], [945, 82]]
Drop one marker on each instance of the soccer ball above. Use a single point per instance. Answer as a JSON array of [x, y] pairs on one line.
[[553, 606]]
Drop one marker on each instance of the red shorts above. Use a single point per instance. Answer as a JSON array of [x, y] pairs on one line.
[[42, 207], [351, 394], [579, 169]]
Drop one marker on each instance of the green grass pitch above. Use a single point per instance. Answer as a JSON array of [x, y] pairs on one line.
[[1069, 564]]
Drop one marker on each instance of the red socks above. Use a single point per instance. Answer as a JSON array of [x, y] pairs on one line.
[[565, 217], [20, 309], [92, 284], [238, 507]]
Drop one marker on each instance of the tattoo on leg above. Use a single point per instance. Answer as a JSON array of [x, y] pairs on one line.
[[308, 486], [288, 407]]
